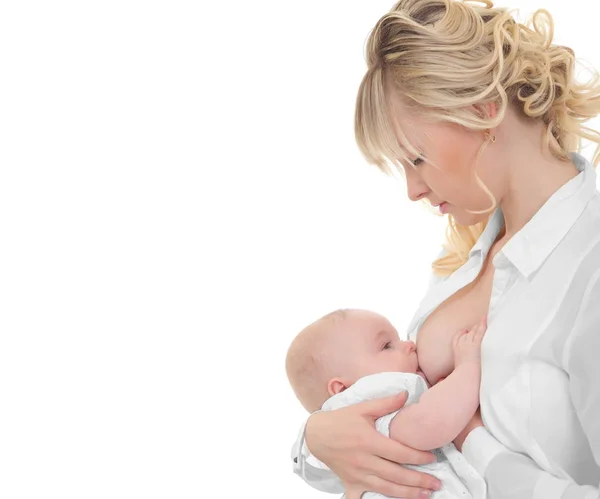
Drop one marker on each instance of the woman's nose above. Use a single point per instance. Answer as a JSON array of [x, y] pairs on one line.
[[415, 187]]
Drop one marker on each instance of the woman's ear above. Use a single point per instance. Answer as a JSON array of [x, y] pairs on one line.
[[336, 385]]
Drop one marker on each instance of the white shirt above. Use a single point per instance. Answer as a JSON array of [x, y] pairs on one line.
[[459, 479], [540, 382], [540, 386]]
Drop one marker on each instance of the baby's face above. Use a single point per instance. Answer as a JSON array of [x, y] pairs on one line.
[[370, 345]]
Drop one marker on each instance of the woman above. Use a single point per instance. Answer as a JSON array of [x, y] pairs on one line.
[[484, 116]]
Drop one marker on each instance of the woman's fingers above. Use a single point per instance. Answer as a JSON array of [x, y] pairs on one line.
[[398, 453], [381, 407], [386, 478], [395, 474], [390, 489], [364, 459]]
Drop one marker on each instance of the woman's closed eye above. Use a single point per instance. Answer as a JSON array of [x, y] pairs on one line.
[[387, 345]]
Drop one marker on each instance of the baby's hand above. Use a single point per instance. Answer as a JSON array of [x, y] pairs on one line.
[[467, 344]]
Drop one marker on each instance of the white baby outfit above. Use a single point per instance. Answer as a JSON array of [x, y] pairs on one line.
[[459, 479]]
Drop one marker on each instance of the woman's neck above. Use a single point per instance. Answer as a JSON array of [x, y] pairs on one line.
[[532, 173], [531, 182]]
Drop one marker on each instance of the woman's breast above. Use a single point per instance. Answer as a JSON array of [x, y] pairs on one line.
[[525, 399], [434, 339], [434, 350]]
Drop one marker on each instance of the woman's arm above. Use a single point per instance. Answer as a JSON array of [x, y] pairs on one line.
[[363, 459], [514, 476]]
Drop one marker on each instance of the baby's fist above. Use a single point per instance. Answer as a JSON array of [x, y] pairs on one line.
[[467, 344]]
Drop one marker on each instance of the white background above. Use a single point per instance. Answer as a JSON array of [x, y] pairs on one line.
[[180, 193]]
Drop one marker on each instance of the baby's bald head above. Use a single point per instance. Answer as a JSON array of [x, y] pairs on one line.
[[312, 359], [338, 349]]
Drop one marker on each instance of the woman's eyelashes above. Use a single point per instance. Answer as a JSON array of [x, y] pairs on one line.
[[387, 345]]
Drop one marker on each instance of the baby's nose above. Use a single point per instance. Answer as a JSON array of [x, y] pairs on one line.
[[409, 346]]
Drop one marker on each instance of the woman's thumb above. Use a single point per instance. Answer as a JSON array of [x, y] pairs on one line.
[[380, 407]]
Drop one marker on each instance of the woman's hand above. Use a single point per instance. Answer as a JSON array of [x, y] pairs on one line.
[[348, 443], [475, 422]]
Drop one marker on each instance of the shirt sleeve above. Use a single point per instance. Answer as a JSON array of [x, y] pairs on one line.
[[514, 476], [311, 470]]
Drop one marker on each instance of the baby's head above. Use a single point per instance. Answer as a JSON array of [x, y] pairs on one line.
[[335, 351]]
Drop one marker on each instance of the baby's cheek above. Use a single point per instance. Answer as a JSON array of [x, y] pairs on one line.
[[372, 365]]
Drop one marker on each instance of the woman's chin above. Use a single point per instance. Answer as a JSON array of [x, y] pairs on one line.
[[467, 219]]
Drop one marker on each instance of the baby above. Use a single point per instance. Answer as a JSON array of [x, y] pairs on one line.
[[350, 356]]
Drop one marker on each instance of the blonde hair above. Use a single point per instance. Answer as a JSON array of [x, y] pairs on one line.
[[443, 57]]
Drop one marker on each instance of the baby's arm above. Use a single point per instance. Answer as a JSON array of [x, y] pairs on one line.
[[446, 408]]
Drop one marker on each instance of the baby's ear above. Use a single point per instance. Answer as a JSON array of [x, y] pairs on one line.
[[336, 385]]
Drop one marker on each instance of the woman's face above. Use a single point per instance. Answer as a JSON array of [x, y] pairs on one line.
[[445, 173]]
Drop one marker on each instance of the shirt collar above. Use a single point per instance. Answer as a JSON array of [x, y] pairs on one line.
[[532, 245], [546, 229], [489, 235]]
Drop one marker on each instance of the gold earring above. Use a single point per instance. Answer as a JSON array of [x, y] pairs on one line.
[[489, 136]]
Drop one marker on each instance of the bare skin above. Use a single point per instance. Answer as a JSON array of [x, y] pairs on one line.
[[522, 176]]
